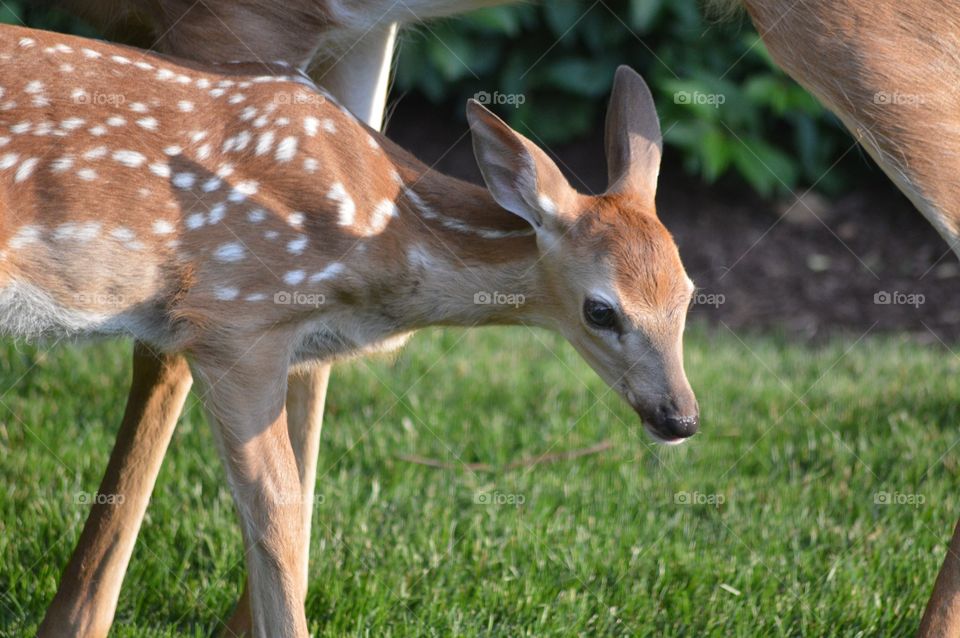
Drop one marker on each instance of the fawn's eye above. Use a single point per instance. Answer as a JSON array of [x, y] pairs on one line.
[[600, 314]]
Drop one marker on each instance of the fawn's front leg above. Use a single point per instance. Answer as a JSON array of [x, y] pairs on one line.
[[87, 597], [244, 396], [306, 395]]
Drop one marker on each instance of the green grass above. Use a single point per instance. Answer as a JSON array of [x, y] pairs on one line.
[[796, 441]]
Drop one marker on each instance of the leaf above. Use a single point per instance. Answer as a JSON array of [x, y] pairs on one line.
[[765, 167], [11, 13], [715, 154], [495, 21], [643, 14], [561, 16], [583, 77]]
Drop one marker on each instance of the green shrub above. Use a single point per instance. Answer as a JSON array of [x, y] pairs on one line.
[[723, 104]]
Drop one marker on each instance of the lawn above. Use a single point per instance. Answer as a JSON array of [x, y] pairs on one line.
[[817, 500]]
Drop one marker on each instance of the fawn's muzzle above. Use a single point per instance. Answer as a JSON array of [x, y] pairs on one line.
[[671, 423]]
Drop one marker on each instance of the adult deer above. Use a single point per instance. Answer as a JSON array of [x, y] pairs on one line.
[[251, 223], [887, 68]]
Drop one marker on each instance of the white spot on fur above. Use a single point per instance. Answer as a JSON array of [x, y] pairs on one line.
[[311, 125], [96, 153], [76, 231], [139, 107], [9, 160], [195, 221], [185, 106], [148, 123], [133, 159], [286, 149], [346, 208], [160, 169], [298, 245], [294, 277], [230, 252], [217, 213], [161, 227], [243, 190], [296, 218], [256, 215], [72, 123], [61, 164], [116, 120], [331, 271], [173, 150], [26, 169], [184, 181], [98, 131], [264, 143], [226, 293], [121, 233], [25, 235], [382, 213], [87, 174], [211, 185]]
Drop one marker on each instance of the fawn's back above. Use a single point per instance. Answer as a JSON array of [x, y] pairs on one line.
[[149, 196]]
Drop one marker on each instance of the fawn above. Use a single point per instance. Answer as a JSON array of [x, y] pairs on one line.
[[249, 222]]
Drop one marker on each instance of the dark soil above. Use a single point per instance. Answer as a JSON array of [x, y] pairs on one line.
[[758, 264]]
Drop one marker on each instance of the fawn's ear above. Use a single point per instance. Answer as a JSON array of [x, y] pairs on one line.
[[520, 176], [633, 141]]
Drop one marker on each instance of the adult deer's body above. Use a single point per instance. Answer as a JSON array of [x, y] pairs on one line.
[[251, 223], [888, 69]]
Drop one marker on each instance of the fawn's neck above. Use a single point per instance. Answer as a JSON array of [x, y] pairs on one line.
[[465, 260]]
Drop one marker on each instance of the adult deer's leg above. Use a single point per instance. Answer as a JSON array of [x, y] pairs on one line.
[[87, 598], [889, 70], [359, 79], [244, 395], [942, 616]]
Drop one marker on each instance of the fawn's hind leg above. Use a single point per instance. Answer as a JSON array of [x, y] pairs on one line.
[[86, 600]]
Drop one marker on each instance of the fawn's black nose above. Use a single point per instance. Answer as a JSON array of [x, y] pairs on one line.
[[673, 423]]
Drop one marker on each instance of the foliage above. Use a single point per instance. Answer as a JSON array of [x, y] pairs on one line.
[[722, 102]]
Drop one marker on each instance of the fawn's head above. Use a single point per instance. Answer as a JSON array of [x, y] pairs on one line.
[[620, 294]]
